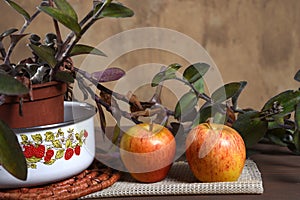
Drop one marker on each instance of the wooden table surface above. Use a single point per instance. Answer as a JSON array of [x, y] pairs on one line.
[[280, 173]]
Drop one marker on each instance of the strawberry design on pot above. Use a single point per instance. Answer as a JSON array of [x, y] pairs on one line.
[[85, 133], [28, 151], [69, 153], [39, 151], [77, 150], [52, 146], [49, 154]]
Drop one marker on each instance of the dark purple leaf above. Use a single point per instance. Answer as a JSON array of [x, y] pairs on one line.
[[7, 33], [110, 74], [15, 38]]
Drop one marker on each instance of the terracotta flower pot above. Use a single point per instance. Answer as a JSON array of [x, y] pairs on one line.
[[47, 106]]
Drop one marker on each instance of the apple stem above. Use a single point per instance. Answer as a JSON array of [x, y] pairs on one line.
[[208, 125], [151, 126]]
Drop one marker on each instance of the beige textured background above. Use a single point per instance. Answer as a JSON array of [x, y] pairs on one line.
[[253, 40]]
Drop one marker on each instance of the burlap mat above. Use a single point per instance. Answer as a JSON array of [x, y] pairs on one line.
[[180, 181], [95, 178]]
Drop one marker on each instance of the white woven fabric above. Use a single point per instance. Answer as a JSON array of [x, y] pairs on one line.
[[180, 181]]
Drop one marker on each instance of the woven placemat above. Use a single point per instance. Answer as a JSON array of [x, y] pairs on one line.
[[97, 177], [180, 181]]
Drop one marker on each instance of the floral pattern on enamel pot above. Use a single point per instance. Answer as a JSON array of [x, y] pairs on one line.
[[51, 146]]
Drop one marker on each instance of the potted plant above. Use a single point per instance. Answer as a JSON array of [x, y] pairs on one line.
[[49, 65]]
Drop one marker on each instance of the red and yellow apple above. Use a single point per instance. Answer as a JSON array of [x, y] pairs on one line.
[[148, 151], [215, 152]]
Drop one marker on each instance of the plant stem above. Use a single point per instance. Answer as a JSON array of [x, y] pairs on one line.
[[151, 126], [114, 110], [94, 18], [28, 22], [100, 86], [2, 50], [14, 43], [57, 31], [200, 95], [71, 34]]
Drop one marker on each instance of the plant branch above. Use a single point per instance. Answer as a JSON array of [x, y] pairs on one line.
[[115, 110], [200, 95], [28, 22], [71, 34], [57, 31], [99, 86], [93, 19], [14, 43]]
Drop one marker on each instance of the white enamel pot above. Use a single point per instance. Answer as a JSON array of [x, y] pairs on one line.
[[57, 151]]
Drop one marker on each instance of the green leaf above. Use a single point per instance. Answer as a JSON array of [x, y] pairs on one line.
[[169, 73], [59, 153], [46, 54], [84, 49], [7, 33], [49, 136], [277, 136], [186, 103], [66, 8], [68, 143], [11, 155], [64, 76], [296, 137], [11, 86], [116, 134], [276, 123], [57, 143], [199, 85], [250, 127], [24, 138], [282, 104], [297, 76], [219, 118], [190, 116], [195, 72], [206, 112], [63, 18], [297, 116], [202, 116], [37, 138], [237, 94], [19, 9], [115, 10], [175, 66], [225, 92]]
